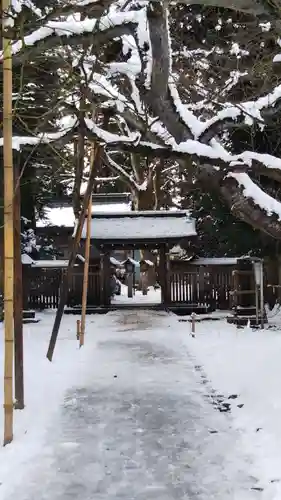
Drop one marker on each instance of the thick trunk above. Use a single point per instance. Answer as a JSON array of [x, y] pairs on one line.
[[150, 278], [79, 157], [144, 200], [158, 194], [79, 167]]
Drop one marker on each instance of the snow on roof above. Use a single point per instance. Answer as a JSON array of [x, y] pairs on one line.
[[150, 225], [115, 262], [50, 263], [133, 261], [80, 257], [26, 259], [148, 262], [64, 216]]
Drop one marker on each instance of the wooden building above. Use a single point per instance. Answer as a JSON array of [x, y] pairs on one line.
[[59, 222], [150, 230], [123, 232]]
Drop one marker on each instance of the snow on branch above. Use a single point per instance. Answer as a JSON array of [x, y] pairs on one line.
[[66, 126], [249, 111], [253, 191], [122, 172], [107, 137], [71, 27], [138, 87]]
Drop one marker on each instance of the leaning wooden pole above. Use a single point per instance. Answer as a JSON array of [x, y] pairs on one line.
[[18, 297], [73, 253], [8, 231], [86, 274]]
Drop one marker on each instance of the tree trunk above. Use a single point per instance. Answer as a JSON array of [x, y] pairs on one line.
[[79, 156], [143, 201]]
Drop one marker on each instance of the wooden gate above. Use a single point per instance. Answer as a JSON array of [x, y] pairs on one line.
[[76, 289], [202, 286], [41, 288]]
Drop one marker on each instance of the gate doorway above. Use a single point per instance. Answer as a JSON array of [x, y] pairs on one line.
[[131, 232]]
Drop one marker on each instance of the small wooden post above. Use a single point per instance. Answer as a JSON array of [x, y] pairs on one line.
[[162, 275], [257, 303], [235, 288], [102, 271], [8, 230], [262, 295], [144, 280], [168, 275], [193, 317], [78, 329], [106, 277], [86, 273], [130, 280]]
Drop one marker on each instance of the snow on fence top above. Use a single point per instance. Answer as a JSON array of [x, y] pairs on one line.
[[154, 225]]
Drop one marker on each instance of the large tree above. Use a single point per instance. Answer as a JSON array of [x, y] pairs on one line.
[[42, 167], [130, 72]]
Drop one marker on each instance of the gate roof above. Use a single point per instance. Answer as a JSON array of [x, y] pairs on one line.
[[141, 229]]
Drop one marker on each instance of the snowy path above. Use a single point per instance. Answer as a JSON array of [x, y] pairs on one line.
[[139, 427]]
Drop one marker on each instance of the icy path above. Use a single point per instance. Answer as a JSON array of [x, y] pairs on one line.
[[140, 426]]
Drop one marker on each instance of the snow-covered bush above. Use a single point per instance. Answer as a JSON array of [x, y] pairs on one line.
[[35, 246]]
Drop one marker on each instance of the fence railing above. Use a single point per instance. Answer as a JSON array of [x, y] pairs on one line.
[[200, 286], [42, 288], [193, 285]]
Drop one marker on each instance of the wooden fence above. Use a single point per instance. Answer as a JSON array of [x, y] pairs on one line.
[[202, 286], [42, 288], [76, 289]]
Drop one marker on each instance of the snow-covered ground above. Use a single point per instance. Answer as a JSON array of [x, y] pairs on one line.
[[135, 414], [152, 297], [246, 363]]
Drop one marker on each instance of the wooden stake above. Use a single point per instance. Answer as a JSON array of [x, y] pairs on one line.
[[86, 273], [8, 231], [18, 298], [78, 328], [193, 317], [262, 295], [130, 280], [73, 253], [144, 279]]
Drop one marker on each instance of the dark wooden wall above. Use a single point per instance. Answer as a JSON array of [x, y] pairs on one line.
[[184, 283], [42, 287]]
